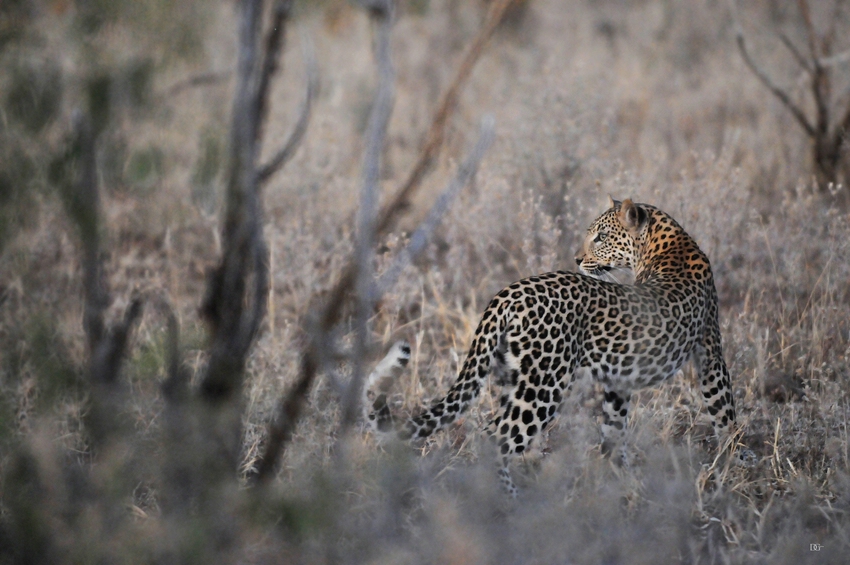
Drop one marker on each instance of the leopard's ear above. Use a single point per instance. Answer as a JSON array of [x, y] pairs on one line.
[[632, 216], [612, 203]]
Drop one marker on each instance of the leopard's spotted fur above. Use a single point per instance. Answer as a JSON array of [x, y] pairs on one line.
[[538, 333]]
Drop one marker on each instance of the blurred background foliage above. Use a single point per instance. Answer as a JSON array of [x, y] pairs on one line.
[[100, 56]]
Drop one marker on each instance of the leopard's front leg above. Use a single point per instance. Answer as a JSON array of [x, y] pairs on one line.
[[716, 388]]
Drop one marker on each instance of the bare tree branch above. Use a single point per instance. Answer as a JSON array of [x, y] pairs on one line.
[[223, 306], [820, 83], [182, 467], [423, 233], [106, 344], [109, 353], [376, 130], [175, 388], [390, 213], [827, 134], [274, 45], [801, 60], [282, 427], [251, 324], [203, 79], [811, 36], [294, 140], [765, 79], [842, 131], [833, 60], [434, 138], [84, 207]]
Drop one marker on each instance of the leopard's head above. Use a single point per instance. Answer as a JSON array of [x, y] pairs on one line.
[[611, 248]]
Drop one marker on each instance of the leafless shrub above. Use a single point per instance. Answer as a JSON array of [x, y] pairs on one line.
[[203, 430], [828, 128]]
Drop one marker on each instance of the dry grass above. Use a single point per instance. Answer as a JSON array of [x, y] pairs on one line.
[[648, 100]]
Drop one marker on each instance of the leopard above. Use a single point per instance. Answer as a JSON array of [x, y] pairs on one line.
[[539, 334]]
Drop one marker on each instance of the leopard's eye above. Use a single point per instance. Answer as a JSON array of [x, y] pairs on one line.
[[600, 237]]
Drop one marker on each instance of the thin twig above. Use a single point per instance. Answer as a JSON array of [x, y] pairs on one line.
[[282, 426], [109, 353], [795, 110], [376, 130], [294, 140], [175, 388], [425, 230], [842, 131], [203, 79], [811, 36], [251, 324], [802, 61]]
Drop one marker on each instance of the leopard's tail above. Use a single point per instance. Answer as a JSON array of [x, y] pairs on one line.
[[377, 412], [487, 346]]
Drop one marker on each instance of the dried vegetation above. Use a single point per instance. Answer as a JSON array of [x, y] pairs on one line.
[[646, 99]]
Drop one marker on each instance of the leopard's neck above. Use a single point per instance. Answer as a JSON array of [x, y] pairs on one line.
[[668, 254]]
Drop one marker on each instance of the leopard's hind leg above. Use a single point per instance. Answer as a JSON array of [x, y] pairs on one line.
[[615, 413], [541, 380]]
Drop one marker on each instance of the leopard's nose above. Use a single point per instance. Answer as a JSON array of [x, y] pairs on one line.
[[578, 261]]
